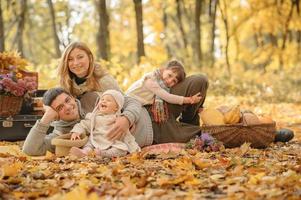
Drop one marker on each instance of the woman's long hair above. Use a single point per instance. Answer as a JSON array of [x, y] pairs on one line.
[[94, 72]]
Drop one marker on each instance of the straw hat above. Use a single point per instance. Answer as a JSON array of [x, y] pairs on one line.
[[63, 143]]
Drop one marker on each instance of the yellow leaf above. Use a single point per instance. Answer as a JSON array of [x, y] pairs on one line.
[[129, 188], [244, 149], [67, 183], [200, 164], [11, 169], [217, 176], [13, 150], [255, 179]]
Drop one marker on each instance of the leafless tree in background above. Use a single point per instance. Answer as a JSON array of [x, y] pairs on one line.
[[54, 29], [139, 28], [103, 35], [2, 39], [197, 43]]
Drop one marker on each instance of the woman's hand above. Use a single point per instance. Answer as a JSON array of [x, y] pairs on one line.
[[119, 129], [49, 115], [75, 136]]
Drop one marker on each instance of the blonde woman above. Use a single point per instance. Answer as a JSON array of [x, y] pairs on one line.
[[85, 80], [79, 73]]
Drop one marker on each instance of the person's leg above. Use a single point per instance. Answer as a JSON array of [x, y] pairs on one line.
[[189, 87], [75, 151], [111, 152], [174, 131], [188, 126]]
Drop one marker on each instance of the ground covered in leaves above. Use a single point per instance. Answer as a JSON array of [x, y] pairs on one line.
[[238, 173]]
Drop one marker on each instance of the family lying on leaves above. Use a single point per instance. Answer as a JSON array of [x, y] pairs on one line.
[[161, 107]]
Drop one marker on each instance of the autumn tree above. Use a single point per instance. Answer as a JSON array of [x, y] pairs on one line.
[[103, 34], [165, 31], [20, 27], [54, 29], [139, 29], [2, 38], [224, 16], [180, 23], [212, 16], [197, 22]]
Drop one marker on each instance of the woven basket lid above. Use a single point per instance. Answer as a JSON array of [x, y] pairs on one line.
[[64, 140]]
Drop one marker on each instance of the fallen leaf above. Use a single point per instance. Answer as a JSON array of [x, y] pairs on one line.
[[67, 183], [129, 188], [11, 169]]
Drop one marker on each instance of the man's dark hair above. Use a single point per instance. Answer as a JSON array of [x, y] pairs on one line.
[[51, 94]]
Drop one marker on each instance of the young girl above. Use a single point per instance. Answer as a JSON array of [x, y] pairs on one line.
[[98, 123], [154, 89]]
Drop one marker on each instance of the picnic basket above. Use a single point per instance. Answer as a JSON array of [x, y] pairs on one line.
[[10, 105], [234, 135]]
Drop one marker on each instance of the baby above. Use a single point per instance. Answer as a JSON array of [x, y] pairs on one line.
[[98, 123]]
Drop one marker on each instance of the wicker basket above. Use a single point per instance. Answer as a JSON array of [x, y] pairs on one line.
[[234, 135], [10, 105]]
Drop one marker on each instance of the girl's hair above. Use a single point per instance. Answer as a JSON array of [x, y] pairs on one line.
[[178, 68], [94, 71]]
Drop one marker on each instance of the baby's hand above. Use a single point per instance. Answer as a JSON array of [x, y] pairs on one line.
[[195, 98], [75, 136]]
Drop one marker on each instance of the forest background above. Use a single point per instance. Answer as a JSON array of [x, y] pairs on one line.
[[249, 49], [246, 48]]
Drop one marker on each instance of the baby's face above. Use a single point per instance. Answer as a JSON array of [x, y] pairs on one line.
[[107, 105]]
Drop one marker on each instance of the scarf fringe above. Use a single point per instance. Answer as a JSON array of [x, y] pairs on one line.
[[159, 111]]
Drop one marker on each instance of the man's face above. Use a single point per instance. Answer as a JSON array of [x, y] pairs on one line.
[[66, 107]]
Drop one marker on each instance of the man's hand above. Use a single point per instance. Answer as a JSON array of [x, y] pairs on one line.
[[49, 115], [119, 129]]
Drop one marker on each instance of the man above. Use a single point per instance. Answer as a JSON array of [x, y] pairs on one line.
[[62, 111]]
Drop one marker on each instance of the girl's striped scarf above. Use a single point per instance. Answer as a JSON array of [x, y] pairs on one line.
[[159, 107]]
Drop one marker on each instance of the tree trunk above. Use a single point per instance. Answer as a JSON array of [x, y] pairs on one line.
[[284, 39], [225, 20], [2, 39], [299, 42], [139, 28], [286, 28], [103, 35], [179, 16], [213, 21], [273, 39], [198, 47], [165, 24], [54, 31], [20, 28]]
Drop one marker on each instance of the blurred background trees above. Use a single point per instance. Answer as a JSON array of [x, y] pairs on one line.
[[246, 47]]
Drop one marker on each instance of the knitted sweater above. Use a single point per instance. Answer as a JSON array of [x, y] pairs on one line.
[[38, 141], [98, 125], [145, 89], [106, 82]]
